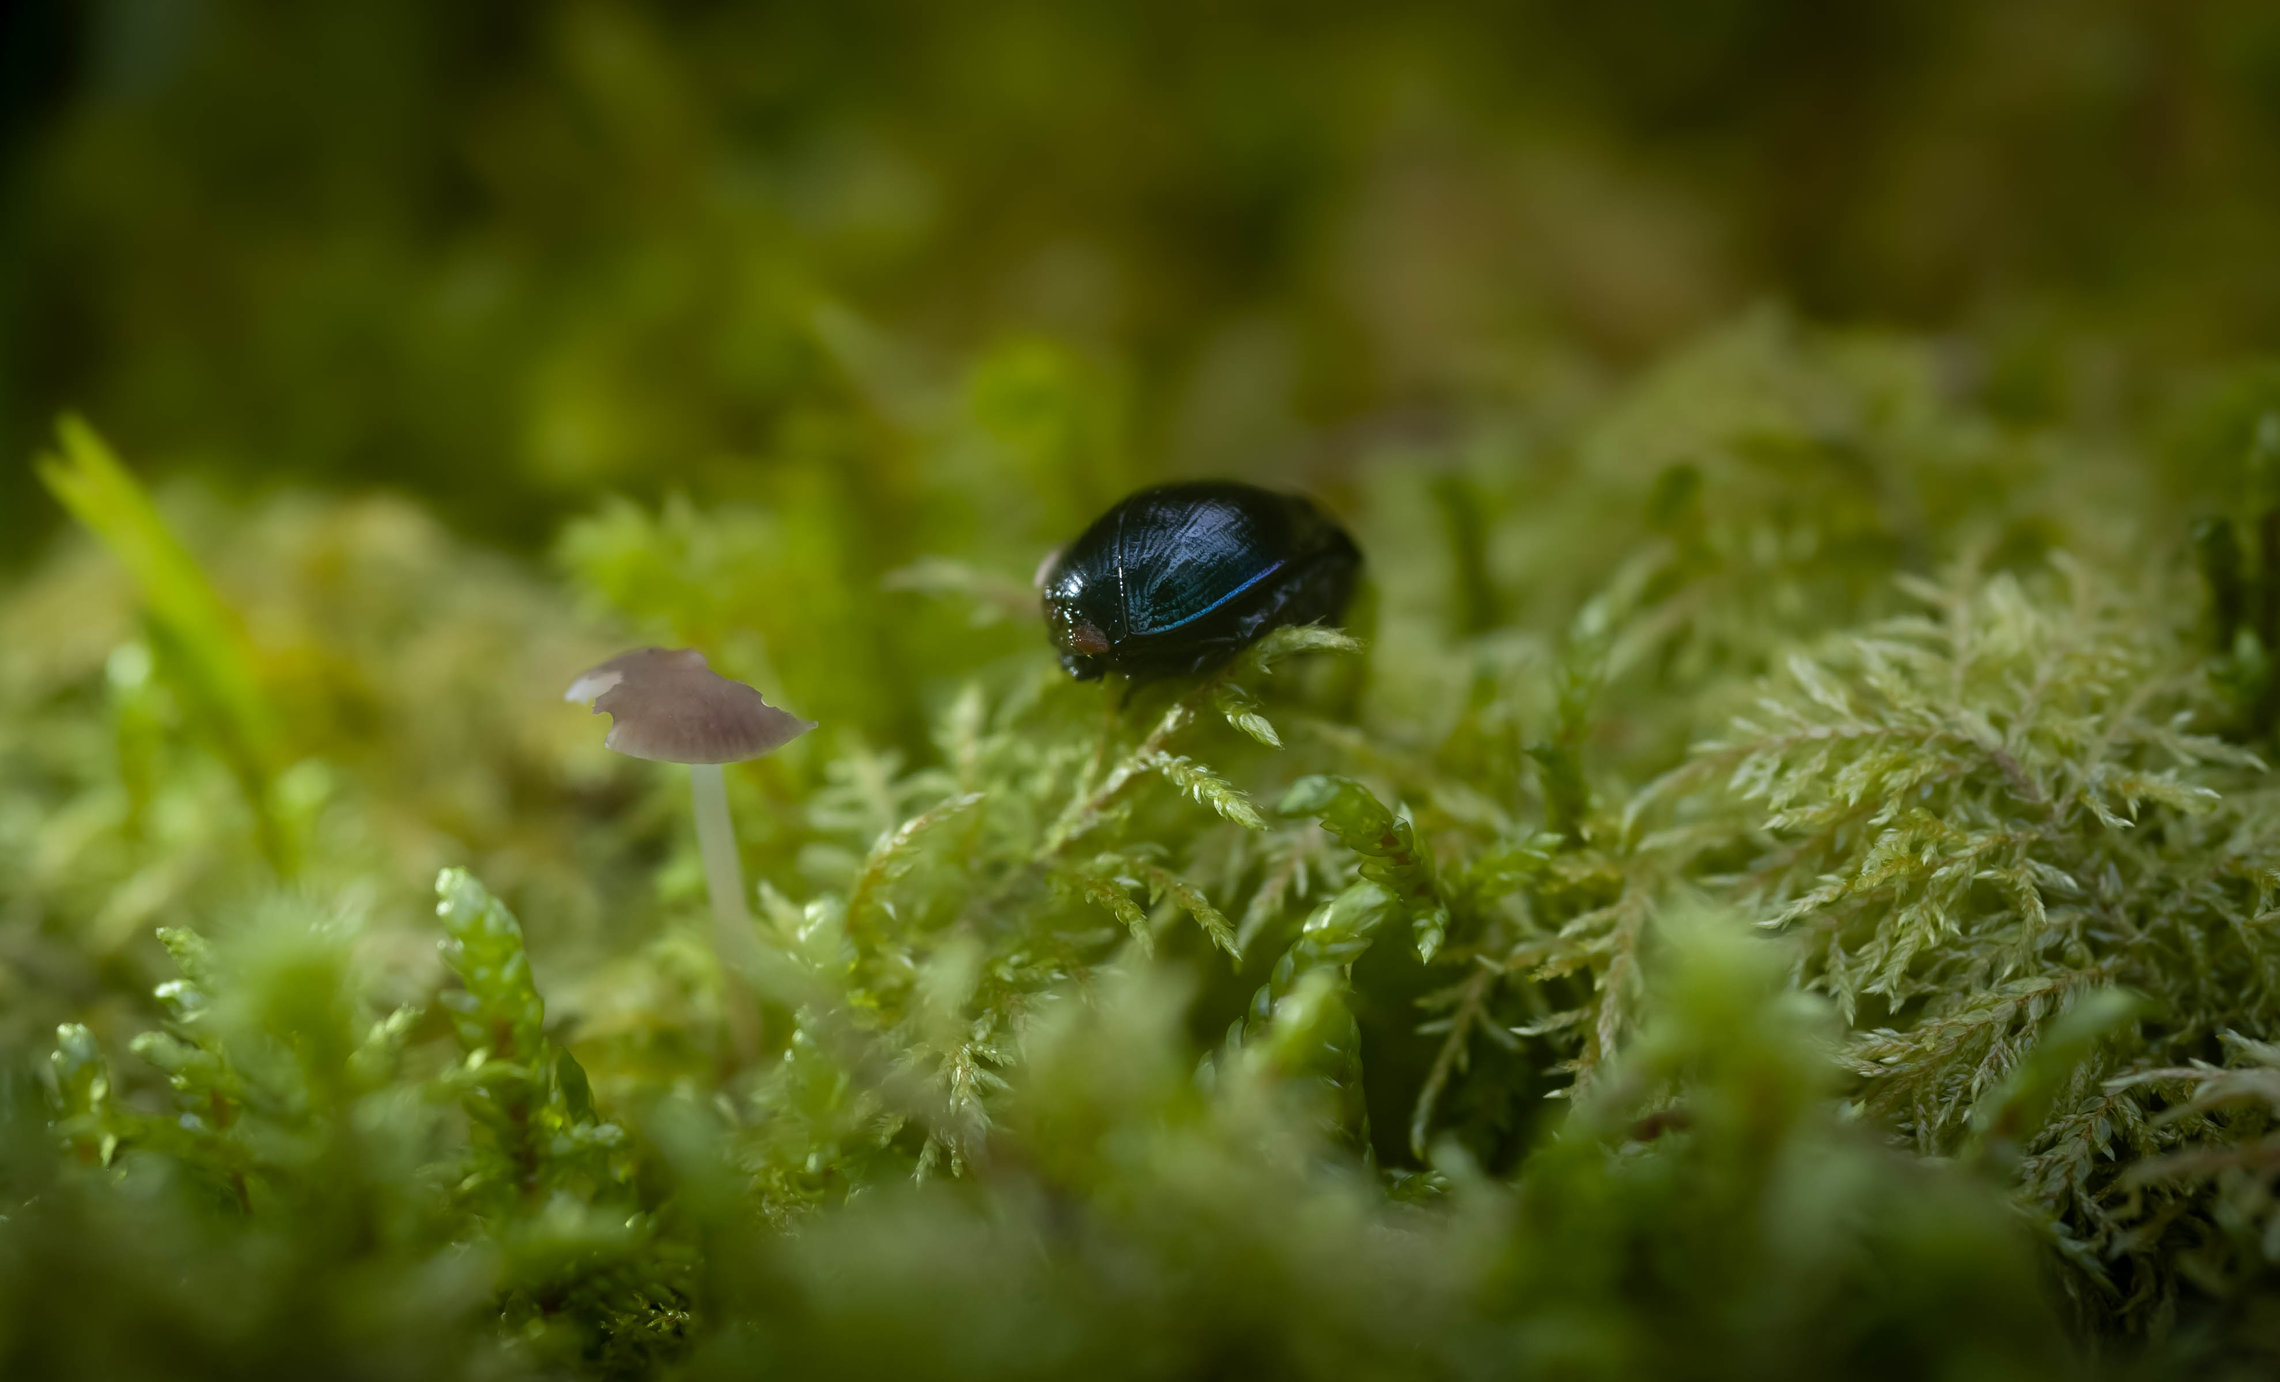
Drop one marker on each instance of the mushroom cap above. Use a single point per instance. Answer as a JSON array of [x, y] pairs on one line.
[[666, 705]]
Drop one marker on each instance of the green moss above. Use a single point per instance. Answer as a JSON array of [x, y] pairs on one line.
[[1785, 891]]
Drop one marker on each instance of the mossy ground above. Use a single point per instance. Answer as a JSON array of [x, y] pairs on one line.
[[1776, 879], [1778, 883]]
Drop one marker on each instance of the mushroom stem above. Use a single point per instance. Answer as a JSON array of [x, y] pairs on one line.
[[732, 924]]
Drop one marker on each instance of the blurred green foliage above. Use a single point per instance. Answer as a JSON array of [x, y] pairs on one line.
[[500, 255], [1776, 881]]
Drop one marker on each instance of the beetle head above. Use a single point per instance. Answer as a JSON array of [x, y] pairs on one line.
[[1083, 666]]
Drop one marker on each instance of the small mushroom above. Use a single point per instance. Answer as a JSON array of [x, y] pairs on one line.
[[668, 706]]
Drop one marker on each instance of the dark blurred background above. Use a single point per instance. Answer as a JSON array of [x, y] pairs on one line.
[[505, 256]]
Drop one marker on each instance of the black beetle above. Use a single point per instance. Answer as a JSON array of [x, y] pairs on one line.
[[1174, 579]]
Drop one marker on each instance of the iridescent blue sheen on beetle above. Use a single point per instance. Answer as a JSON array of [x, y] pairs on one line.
[[1179, 578]]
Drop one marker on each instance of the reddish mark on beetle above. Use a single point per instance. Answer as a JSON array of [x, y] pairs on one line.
[[1088, 640]]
